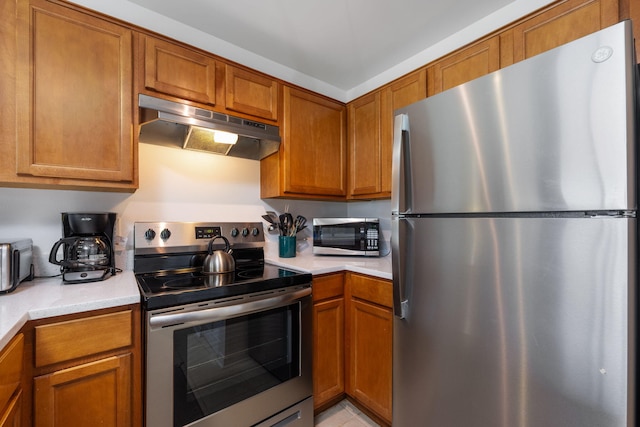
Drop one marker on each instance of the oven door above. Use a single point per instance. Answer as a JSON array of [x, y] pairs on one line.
[[229, 362]]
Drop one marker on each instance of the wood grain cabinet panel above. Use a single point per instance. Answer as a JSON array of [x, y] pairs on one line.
[[365, 146], [175, 70], [11, 417], [328, 339], [11, 369], [92, 394], [251, 93], [369, 341], [371, 134], [64, 341], [87, 369], [311, 163], [564, 22], [464, 65], [73, 96]]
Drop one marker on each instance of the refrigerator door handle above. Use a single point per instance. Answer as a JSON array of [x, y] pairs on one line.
[[401, 188], [399, 267]]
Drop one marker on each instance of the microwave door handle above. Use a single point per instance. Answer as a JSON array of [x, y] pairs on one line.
[[208, 315], [401, 181]]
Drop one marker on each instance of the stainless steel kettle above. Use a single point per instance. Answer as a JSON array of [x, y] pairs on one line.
[[219, 261]]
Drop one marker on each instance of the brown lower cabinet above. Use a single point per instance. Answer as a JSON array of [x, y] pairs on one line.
[[75, 370], [11, 371], [353, 338]]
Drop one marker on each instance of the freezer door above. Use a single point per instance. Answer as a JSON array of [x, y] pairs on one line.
[[553, 133], [516, 322]]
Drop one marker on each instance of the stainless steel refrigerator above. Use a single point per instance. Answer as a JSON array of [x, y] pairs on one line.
[[514, 245]]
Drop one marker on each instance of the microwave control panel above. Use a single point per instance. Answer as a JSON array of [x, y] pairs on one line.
[[369, 241]]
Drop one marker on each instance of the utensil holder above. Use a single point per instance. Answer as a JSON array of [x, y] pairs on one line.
[[287, 246]]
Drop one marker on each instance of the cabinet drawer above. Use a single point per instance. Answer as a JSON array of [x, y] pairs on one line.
[[328, 286], [377, 291], [10, 368], [62, 341]]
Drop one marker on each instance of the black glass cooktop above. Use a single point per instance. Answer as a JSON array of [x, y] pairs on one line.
[[177, 287]]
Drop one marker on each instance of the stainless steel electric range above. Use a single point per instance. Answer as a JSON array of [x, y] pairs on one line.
[[230, 349]]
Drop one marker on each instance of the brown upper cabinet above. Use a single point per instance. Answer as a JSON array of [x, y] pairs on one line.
[[567, 21], [311, 163], [175, 70], [371, 134], [464, 65], [73, 104], [251, 93]]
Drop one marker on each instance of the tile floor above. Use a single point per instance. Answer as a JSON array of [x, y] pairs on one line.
[[344, 414]]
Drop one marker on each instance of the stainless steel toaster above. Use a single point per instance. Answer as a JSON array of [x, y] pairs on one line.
[[16, 263]]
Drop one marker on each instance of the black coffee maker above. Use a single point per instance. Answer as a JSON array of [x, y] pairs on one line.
[[87, 246]]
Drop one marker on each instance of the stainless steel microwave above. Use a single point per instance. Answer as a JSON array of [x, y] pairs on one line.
[[346, 236]]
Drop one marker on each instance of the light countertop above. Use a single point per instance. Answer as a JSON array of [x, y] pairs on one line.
[[321, 264], [43, 298]]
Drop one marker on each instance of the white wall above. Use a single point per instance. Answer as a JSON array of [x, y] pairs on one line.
[[175, 185]]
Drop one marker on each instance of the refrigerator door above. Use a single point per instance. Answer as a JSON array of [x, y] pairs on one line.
[[552, 133], [516, 322]]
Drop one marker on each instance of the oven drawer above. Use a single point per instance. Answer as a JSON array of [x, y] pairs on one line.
[[300, 415], [64, 341]]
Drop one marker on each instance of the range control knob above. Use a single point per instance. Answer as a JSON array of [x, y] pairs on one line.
[[245, 232], [234, 232], [149, 234], [255, 232], [165, 234]]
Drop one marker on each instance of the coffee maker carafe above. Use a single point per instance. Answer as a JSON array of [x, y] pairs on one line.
[[87, 247]]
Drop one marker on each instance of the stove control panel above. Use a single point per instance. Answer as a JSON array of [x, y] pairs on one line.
[[162, 237]]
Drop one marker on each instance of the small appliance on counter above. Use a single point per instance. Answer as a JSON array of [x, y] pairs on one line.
[[346, 236], [16, 263], [87, 246]]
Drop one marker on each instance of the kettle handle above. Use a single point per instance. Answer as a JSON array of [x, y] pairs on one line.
[[227, 247]]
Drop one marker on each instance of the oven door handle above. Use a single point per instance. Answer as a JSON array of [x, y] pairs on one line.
[[227, 312]]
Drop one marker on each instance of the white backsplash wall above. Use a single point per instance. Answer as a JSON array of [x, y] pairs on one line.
[[175, 185]]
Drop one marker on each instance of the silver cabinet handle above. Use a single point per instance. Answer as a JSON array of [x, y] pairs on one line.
[[221, 313]]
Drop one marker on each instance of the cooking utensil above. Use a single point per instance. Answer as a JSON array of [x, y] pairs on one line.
[[286, 223], [274, 217], [299, 224], [269, 220], [219, 261]]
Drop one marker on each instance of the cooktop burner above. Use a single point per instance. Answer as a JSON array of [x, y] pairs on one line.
[[168, 259], [166, 290]]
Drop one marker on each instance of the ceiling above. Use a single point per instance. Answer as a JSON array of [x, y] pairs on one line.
[[342, 43]]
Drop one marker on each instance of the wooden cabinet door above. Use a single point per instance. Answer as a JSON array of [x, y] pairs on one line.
[[312, 159], [565, 22], [328, 342], [328, 339], [251, 93], [370, 356], [175, 70], [365, 146], [12, 414], [464, 65], [11, 368], [74, 95], [92, 394], [369, 341]]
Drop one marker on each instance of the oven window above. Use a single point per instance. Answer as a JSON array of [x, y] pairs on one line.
[[219, 364]]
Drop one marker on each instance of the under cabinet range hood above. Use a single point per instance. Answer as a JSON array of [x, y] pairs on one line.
[[173, 124]]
